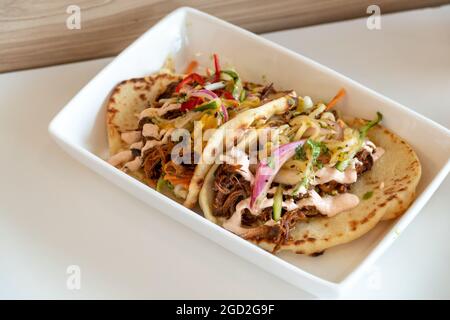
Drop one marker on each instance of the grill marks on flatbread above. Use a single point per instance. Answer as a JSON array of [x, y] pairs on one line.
[[127, 101]]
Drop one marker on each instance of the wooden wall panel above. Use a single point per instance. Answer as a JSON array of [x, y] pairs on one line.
[[34, 33]]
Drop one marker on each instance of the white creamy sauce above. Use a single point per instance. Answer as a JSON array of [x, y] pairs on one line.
[[327, 174], [121, 157], [289, 191], [330, 205], [369, 146], [153, 143], [133, 165], [233, 224], [288, 204], [158, 112], [150, 130], [131, 136], [327, 205], [150, 144], [170, 107], [377, 154], [324, 175], [236, 156], [137, 145]]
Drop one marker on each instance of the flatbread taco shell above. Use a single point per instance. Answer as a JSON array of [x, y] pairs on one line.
[[127, 101], [131, 97], [392, 182]]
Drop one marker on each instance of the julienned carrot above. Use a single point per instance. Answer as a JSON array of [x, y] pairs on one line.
[[336, 98], [191, 67]]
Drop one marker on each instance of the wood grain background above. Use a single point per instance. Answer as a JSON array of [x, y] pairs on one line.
[[34, 33]]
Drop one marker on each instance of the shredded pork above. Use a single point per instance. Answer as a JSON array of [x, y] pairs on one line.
[[155, 158], [229, 188]]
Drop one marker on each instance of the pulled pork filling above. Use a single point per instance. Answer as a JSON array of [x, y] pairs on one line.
[[364, 163], [278, 233], [170, 90], [173, 114], [187, 98], [158, 164], [155, 158], [230, 188]]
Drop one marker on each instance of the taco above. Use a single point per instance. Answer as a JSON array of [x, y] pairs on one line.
[[152, 123], [325, 180]]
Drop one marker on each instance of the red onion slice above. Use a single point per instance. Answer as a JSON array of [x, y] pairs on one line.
[[203, 93], [224, 112], [268, 168]]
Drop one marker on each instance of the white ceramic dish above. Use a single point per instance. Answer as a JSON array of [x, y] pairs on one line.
[[187, 33]]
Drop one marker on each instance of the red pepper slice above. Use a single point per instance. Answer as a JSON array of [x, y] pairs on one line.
[[216, 67], [191, 103], [193, 77], [226, 94]]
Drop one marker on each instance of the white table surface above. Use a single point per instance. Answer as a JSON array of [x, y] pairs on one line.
[[54, 212]]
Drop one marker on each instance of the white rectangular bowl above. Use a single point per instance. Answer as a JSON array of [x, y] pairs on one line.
[[186, 34]]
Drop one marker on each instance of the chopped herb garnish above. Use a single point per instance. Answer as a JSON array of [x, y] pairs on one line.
[[367, 195], [316, 148], [270, 163], [341, 165], [323, 148], [182, 98], [300, 153], [319, 164]]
